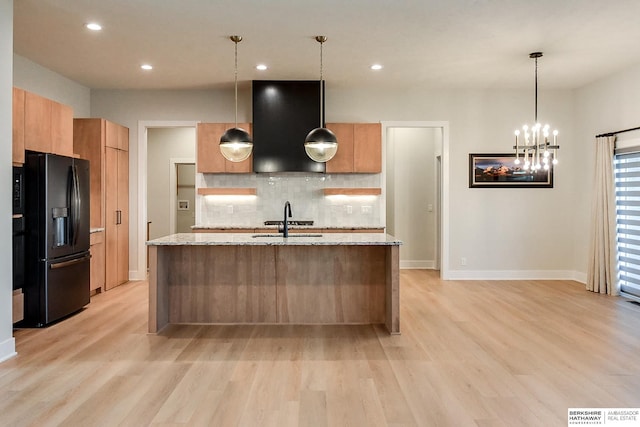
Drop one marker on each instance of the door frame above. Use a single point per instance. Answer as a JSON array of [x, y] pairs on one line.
[[140, 273], [443, 232]]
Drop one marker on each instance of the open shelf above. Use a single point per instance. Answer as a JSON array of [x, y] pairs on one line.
[[227, 191], [352, 191]]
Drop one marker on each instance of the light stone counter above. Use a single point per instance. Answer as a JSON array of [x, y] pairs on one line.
[[262, 239]]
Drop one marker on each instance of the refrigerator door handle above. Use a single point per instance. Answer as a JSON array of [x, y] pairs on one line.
[[71, 262], [76, 204]]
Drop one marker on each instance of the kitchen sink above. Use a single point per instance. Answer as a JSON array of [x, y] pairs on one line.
[[290, 235]]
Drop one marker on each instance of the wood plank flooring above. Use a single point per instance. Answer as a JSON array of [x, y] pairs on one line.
[[471, 353]]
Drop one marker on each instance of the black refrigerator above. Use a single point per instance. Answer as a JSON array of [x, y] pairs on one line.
[[57, 237]]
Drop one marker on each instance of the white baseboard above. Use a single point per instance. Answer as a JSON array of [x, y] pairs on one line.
[[517, 275], [417, 265], [7, 349], [135, 275]]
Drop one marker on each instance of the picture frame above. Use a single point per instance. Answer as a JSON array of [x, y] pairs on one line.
[[183, 205], [489, 170]]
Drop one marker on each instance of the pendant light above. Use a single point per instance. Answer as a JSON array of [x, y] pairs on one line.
[[321, 144], [535, 148], [235, 143]]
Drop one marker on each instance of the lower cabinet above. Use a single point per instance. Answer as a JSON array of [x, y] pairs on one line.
[[18, 305], [96, 241]]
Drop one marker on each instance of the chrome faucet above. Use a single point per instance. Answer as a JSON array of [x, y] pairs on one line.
[[285, 223]]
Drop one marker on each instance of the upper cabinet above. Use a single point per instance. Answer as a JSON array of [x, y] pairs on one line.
[[91, 138], [61, 129], [209, 158], [116, 136], [359, 148], [40, 124], [18, 125]]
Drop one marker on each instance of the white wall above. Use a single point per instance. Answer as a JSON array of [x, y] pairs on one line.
[[7, 343], [608, 105], [411, 170], [163, 144], [39, 80]]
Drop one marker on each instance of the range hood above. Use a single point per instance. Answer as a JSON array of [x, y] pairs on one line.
[[284, 112]]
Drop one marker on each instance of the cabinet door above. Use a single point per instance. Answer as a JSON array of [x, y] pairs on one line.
[[123, 208], [342, 162], [111, 218], [123, 138], [18, 125], [88, 143], [37, 123], [97, 260], [209, 158], [61, 129], [367, 148]]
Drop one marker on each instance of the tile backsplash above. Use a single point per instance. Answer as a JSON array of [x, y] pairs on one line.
[[303, 190]]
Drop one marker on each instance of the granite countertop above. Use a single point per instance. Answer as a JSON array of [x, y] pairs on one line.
[[267, 239], [291, 227], [96, 230]]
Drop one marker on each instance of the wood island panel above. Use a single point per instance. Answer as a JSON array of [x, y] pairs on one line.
[[323, 284], [221, 284]]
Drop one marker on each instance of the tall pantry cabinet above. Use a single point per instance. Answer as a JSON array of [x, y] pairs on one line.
[[106, 145]]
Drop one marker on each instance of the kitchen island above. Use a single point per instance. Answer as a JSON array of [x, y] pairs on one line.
[[242, 278]]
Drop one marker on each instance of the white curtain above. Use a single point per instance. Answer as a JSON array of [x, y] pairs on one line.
[[602, 272]]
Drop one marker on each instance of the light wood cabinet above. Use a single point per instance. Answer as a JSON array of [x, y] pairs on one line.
[[359, 148], [117, 216], [18, 125], [209, 158], [37, 123], [61, 129], [48, 125], [98, 140], [96, 248], [17, 313]]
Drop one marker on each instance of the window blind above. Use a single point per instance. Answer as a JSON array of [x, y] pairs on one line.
[[627, 180]]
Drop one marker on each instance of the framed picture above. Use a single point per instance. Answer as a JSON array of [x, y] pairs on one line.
[[183, 205], [501, 171]]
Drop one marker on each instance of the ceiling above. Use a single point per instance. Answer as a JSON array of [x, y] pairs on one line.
[[432, 43]]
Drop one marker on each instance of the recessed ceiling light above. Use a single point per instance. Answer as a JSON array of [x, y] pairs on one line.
[[376, 67], [93, 26], [146, 67], [261, 67]]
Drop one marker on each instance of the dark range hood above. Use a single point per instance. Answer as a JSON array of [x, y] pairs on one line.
[[284, 112]]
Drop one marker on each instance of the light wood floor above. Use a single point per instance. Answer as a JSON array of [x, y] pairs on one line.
[[471, 353]]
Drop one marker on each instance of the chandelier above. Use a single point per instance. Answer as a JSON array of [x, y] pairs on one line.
[[535, 145]]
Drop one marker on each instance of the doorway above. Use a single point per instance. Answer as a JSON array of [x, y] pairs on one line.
[[416, 190], [185, 197], [170, 160]]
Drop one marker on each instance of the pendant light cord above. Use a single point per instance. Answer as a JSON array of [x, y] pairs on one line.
[[321, 89], [536, 106], [236, 81]]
